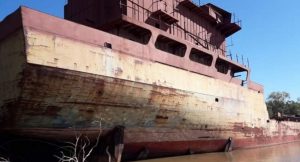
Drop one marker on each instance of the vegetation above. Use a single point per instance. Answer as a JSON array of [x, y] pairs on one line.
[[81, 150], [3, 159], [279, 102]]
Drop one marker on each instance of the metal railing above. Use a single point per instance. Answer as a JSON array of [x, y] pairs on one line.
[[239, 59], [159, 5], [135, 10], [235, 20], [139, 12]]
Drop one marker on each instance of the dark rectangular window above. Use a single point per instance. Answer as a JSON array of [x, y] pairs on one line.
[[107, 45], [132, 32], [222, 66], [201, 57], [171, 46]]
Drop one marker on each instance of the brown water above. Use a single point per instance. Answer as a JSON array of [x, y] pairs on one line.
[[279, 153]]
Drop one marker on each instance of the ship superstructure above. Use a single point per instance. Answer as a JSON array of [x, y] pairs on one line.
[[188, 36]]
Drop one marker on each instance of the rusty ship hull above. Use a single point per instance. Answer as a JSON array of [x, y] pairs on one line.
[[57, 76]]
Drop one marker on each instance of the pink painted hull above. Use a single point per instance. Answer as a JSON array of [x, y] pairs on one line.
[[155, 149]]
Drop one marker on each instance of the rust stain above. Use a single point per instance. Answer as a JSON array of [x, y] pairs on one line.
[[167, 97], [138, 62], [10, 114], [159, 119], [118, 71], [248, 131], [162, 117], [137, 79], [81, 103], [52, 110]]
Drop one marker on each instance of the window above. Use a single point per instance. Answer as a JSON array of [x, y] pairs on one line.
[[171, 46], [201, 57], [222, 66], [132, 32], [157, 25], [107, 45]]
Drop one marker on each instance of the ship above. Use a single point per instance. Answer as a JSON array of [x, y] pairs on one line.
[[156, 74]]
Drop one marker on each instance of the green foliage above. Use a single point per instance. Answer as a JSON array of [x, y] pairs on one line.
[[280, 102]]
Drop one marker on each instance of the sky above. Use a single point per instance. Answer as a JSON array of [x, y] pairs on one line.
[[269, 38]]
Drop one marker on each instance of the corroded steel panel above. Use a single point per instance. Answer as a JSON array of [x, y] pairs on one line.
[[43, 22], [12, 61]]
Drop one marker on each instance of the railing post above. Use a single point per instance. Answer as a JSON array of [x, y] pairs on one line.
[[139, 10], [243, 60], [248, 63]]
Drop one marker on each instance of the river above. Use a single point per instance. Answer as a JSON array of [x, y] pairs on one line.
[[279, 153]]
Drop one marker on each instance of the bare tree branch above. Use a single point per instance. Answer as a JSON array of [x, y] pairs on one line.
[[2, 159], [81, 149]]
